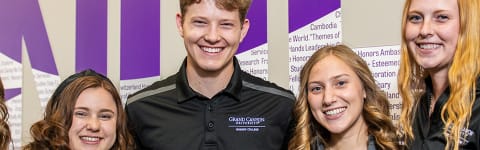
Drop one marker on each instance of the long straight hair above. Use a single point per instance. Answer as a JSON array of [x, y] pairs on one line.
[[462, 77]]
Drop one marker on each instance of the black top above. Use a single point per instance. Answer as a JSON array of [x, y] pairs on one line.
[[249, 114], [428, 131]]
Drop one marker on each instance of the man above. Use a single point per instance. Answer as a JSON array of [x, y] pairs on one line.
[[210, 103]]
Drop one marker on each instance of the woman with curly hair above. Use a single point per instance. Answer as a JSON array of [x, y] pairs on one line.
[[340, 106], [5, 137], [439, 74], [84, 112]]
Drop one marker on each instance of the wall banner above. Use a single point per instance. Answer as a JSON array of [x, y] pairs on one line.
[[384, 62], [253, 51], [23, 29], [11, 75], [312, 25], [140, 45]]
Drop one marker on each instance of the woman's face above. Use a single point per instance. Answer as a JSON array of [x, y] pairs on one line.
[[335, 97], [94, 121], [431, 31]]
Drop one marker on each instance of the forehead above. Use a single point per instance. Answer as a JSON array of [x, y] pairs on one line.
[[329, 67], [96, 98], [434, 5]]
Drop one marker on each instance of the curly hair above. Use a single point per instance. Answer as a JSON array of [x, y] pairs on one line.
[[462, 76], [375, 109], [5, 137], [52, 131]]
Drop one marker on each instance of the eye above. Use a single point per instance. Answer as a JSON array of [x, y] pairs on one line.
[[199, 22], [227, 25], [415, 18], [105, 116], [341, 83], [442, 18], [315, 89], [80, 114]]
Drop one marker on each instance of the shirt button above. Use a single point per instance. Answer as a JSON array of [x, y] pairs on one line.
[[210, 108], [211, 124]]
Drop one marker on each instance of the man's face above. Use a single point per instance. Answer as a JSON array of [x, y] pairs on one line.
[[211, 36]]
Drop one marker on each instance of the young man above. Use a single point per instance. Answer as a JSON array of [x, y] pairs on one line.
[[210, 103]]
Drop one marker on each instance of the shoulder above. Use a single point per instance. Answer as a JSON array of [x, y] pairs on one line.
[[266, 87], [156, 88]]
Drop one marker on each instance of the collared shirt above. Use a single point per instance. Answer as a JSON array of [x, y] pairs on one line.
[[428, 131], [249, 114], [317, 145]]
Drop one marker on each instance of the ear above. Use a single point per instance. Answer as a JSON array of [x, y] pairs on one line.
[[244, 29], [179, 24]]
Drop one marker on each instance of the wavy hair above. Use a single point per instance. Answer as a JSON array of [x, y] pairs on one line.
[[52, 131], [5, 137], [375, 108], [462, 76]]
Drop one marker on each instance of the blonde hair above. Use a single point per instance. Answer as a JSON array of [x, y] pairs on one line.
[[462, 77], [375, 108]]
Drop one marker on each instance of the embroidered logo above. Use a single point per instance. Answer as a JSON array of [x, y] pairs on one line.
[[246, 124], [465, 133]]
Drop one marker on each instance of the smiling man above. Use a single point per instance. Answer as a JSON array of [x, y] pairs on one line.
[[211, 103]]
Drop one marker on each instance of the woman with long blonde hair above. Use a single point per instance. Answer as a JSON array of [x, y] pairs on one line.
[[439, 74]]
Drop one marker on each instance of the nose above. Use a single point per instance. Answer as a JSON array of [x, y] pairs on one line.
[[426, 29], [93, 124], [212, 36], [330, 97]]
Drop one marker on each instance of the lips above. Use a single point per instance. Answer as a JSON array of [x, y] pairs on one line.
[[90, 139], [335, 111], [429, 46], [211, 49]]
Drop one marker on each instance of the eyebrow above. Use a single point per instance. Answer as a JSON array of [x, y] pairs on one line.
[[101, 110], [334, 77]]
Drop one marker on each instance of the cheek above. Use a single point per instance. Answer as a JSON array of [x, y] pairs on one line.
[[314, 101], [110, 126], [450, 33], [76, 123], [411, 32]]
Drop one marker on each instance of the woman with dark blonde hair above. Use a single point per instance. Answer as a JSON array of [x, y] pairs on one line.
[[5, 137], [340, 106], [84, 112], [439, 74]]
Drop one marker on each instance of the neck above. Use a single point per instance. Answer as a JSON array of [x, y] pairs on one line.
[[208, 83], [355, 139], [439, 83]]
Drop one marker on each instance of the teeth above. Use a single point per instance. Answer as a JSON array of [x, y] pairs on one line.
[[211, 50], [335, 111], [429, 46], [90, 139]]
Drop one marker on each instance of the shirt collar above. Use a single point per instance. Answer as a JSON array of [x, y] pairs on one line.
[[186, 93]]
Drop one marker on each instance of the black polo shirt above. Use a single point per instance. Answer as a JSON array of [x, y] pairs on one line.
[[428, 131], [249, 114]]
